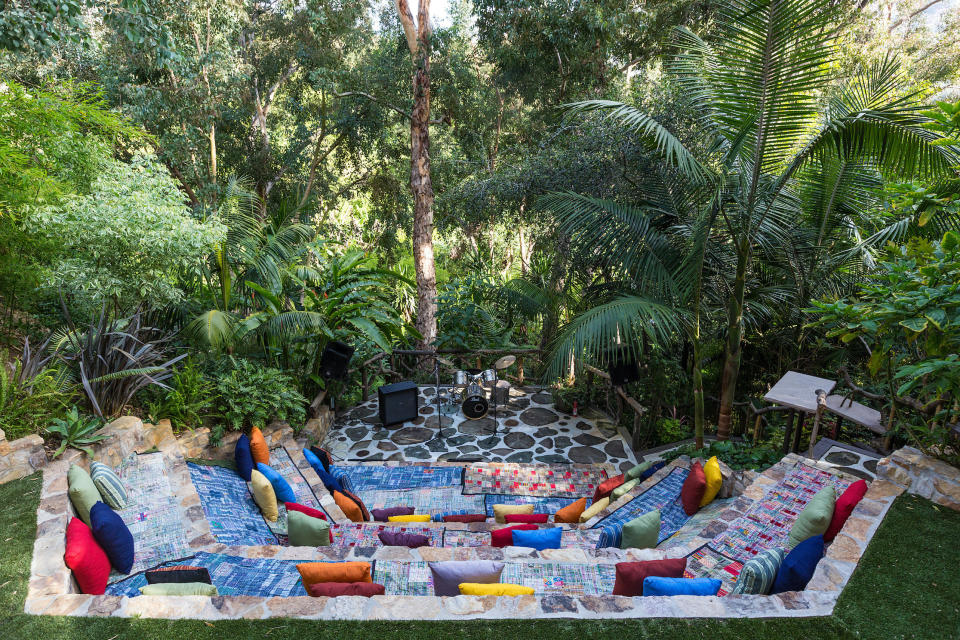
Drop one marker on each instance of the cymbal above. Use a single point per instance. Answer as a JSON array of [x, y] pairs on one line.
[[504, 362], [444, 361]]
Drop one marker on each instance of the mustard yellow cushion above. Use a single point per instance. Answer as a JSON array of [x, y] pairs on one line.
[[502, 510], [495, 589], [595, 508], [415, 518], [711, 471], [264, 496]]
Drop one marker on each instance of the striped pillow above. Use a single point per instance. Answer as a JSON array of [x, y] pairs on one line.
[[109, 485], [343, 477], [758, 574]]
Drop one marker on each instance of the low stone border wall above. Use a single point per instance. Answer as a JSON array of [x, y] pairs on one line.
[[21, 457], [922, 475]]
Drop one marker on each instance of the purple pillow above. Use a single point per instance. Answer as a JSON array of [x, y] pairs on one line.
[[401, 539], [381, 515], [447, 576]]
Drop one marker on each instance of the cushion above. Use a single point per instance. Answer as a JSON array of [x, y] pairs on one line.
[[258, 447], [86, 559], [571, 512], [264, 496], [693, 489], [323, 456], [798, 567], [178, 574], [844, 507], [630, 575], [504, 537], [113, 536], [501, 510], [447, 576], [83, 493], [594, 509], [357, 501], [108, 484], [471, 517], [714, 480], [539, 539], [526, 518], [381, 515], [307, 531], [313, 460], [759, 572], [350, 508], [635, 472], [656, 586], [243, 457], [424, 517], [179, 589], [622, 489], [642, 532], [498, 589], [334, 589], [607, 486], [403, 539], [815, 517], [302, 508], [314, 572], [281, 488], [342, 477]]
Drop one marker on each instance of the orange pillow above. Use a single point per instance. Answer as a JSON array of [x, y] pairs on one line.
[[350, 508], [258, 447], [571, 512], [314, 572]]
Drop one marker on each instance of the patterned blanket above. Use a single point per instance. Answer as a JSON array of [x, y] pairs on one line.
[[571, 539], [532, 480], [280, 460], [664, 495], [426, 500], [709, 563], [367, 535], [234, 517], [374, 478], [540, 504]]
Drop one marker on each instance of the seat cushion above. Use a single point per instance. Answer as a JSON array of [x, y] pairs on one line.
[[310, 511], [179, 589], [642, 532], [322, 455], [501, 510], [757, 574], [403, 539], [815, 517], [334, 589], [281, 488], [498, 589], [108, 483], [622, 489], [607, 486], [89, 562], [178, 574], [314, 572], [350, 508], [630, 575], [570, 513], [797, 568], [714, 480], [472, 517], [113, 536], [364, 513], [258, 447], [526, 518], [264, 496], [83, 493], [844, 507], [243, 457], [595, 508], [656, 586], [307, 531], [448, 576], [538, 539], [381, 515], [693, 489], [504, 537], [422, 517], [636, 471]]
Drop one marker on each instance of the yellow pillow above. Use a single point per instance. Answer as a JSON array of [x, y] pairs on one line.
[[495, 589], [711, 471], [500, 511], [594, 509], [417, 518], [264, 495]]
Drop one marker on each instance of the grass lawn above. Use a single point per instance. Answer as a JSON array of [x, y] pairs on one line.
[[907, 586]]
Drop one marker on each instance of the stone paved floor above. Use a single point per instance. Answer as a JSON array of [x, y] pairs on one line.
[[529, 429]]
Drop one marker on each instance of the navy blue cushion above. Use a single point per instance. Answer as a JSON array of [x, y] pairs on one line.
[[652, 470], [658, 586], [281, 487], [797, 568], [322, 455], [243, 458], [539, 539], [331, 483], [113, 536]]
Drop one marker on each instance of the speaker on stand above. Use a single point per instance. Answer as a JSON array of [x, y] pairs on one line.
[[622, 366]]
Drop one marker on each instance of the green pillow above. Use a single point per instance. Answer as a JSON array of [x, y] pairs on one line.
[[307, 531], [642, 532], [179, 589], [622, 489], [815, 517], [635, 472], [83, 493]]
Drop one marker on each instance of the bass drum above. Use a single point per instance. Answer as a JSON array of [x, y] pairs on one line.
[[475, 405]]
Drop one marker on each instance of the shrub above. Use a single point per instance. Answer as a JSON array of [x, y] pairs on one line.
[[32, 392], [735, 455], [251, 395], [76, 431], [188, 402]]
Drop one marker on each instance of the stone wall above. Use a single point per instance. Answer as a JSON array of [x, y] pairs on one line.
[[922, 475], [19, 458]]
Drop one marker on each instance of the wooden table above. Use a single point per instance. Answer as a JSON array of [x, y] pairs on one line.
[[799, 392]]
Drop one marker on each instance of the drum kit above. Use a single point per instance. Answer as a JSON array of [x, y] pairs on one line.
[[470, 389]]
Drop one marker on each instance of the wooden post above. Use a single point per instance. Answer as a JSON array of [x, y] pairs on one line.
[[756, 429], [364, 383], [821, 404], [520, 370]]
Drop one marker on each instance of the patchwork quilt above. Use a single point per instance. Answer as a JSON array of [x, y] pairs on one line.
[[532, 480], [367, 535], [546, 505], [374, 478], [571, 538], [234, 517], [426, 500], [664, 495]]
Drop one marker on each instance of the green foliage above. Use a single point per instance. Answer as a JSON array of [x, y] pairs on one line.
[[671, 430], [735, 455], [189, 400], [76, 431], [29, 402], [251, 395], [585, 395]]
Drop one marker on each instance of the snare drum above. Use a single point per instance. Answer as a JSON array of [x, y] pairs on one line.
[[460, 378], [488, 377]]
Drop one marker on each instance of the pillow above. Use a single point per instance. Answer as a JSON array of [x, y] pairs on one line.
[[357, 501], [759, 572], [472, 517], [498, 589], [447, 576], [501, 510], [693, 489], [310, 511], [109, 485], [322, 455], [714, 480], [281, 488], [243, 457], [314, 572], [83, 493], [410, 518], [307, 531], [655, 586], [815, 517], [179, 589], [642, 532], [635, 472], [526, 518], [630, 575], [334, 589], [350, 508], [113, 536], [594, 509], [798, 567], [341, 476], [571, 512], [313, 460], [258, 447], [264, 496], [607, 486], [844, 507], [178, 574], [403, 539], [622, 489], [86, 559], [504, 537], [539, 539], [331, 483], [381, 515]]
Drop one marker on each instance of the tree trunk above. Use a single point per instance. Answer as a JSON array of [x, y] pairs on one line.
[[731, 365]]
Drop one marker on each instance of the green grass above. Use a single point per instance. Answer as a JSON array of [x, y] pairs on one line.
[[907, 586]]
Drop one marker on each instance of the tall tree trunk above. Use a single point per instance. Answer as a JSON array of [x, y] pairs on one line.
[[731, 365]]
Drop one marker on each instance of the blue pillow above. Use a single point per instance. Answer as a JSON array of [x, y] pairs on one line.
[[322, 456], [243, 457], [797, 568], [331, 483], [113, 536], [539, 539], [280, 486], [343, 478], [652, 470], [657, 586]]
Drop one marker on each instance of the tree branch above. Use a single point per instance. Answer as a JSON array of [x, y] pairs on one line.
[[912, 15], [371, 98]]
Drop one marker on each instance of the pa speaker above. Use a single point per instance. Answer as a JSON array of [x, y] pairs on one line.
[[622, 367], [334, 360], [399, 402]]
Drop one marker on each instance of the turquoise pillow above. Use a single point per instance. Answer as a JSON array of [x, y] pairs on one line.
[[757, 575], [657, 586], [109, 485], [642, 532], [280, 486], [538, 539]]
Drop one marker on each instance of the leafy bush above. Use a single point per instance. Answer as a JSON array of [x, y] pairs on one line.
[[32, 392], [735, 455], [251, 395], [583, 394], [671, 430], [188, 402], [76, 431]]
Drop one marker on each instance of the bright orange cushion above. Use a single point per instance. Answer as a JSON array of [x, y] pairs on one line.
[[314, 572], [350, 508], [571, 512], [258, 447]]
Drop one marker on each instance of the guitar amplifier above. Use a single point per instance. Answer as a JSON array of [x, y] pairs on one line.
[[399, 402]]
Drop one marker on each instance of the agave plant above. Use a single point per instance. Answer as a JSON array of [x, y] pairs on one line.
[[76, 431]]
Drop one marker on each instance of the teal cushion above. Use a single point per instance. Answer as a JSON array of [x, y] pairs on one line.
[[108, 483], [757, 575], [815, 517], [642, 532], [307, 531], [179, 589], [83, 493]]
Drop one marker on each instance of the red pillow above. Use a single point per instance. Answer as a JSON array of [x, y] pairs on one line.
[[630, 575], [89, 562], [504, 537], [526, 518], [466, 517], [693, 489], [334, 589], [606, 487], [310, 511], [844, 507]]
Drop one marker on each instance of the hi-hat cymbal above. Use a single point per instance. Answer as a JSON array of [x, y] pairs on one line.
[[504, 362], [444, 361]]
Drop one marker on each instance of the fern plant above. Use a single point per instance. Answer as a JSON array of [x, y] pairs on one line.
[[77, 431]]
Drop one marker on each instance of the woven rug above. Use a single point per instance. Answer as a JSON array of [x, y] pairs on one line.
[[708, 563], [696, 523], [571, 538], [665, 496], [367, 535], [373, 477], [540, 480], [425, 500], [282, 463], [540, 504], [234, 517]]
